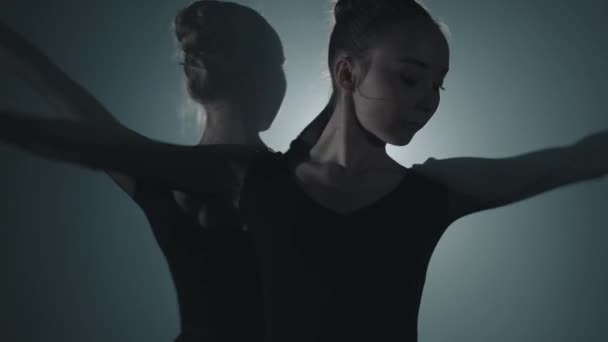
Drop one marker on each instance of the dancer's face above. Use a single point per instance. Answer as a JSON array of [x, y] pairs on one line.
[[399, 93], [194, 67], [187, 36]]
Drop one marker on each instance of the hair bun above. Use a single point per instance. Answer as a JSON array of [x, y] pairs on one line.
[[344, 8]]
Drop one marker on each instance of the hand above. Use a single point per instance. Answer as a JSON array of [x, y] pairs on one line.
[[595, 149]]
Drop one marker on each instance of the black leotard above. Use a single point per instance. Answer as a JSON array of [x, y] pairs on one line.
[[330, 277], [214, 272]]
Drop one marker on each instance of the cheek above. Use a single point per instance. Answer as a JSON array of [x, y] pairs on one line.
[[383, 111], [193, 77], [383, 105], [386, 120], [387, 96], [378, 115]]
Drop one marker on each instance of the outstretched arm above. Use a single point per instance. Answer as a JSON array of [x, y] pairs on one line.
[[200, 169], [478, 184], [68, 98]]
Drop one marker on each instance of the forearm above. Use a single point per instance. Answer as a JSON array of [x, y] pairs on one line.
[[106, 147], [68, 99], [514, 179], [477, 184], [85, 143], [591, 153], [540, 171]]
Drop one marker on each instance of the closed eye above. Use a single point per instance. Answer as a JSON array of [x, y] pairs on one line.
[[412, 82], [407, 80]]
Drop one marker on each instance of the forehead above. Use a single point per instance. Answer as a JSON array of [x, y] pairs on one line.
[[418, 39]]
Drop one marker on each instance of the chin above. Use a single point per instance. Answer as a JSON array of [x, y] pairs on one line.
[[400, 143], [263, 128], [400, 140]]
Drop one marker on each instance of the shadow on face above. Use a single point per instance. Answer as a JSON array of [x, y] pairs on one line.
[[400, 90]]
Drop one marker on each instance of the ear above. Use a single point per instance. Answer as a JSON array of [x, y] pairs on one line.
[[345, 74]]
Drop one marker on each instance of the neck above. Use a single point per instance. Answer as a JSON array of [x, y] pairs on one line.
[[345, 144], [224, 124]]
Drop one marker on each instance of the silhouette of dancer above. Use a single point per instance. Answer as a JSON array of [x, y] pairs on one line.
[[233, 64]]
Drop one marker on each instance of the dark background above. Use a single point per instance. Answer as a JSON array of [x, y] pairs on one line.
[[79, 263]]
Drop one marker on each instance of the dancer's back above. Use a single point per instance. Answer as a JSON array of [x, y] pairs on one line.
[[210, 256], [213, 270]]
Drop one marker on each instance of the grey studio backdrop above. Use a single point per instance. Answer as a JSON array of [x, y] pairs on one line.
[[79, 263]]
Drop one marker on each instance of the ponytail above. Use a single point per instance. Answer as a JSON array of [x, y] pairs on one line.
[[300, 147]]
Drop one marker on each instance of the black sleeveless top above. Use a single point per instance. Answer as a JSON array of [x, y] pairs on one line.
[[341, 277], [214, 272]]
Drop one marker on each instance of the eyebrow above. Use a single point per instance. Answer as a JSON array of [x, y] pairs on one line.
[[419, 63]]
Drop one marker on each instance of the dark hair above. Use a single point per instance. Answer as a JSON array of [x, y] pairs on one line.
[[231, 39], [357, 24]]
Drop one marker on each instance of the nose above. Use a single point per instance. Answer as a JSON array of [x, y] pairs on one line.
[[429, 101], [427, 105]]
